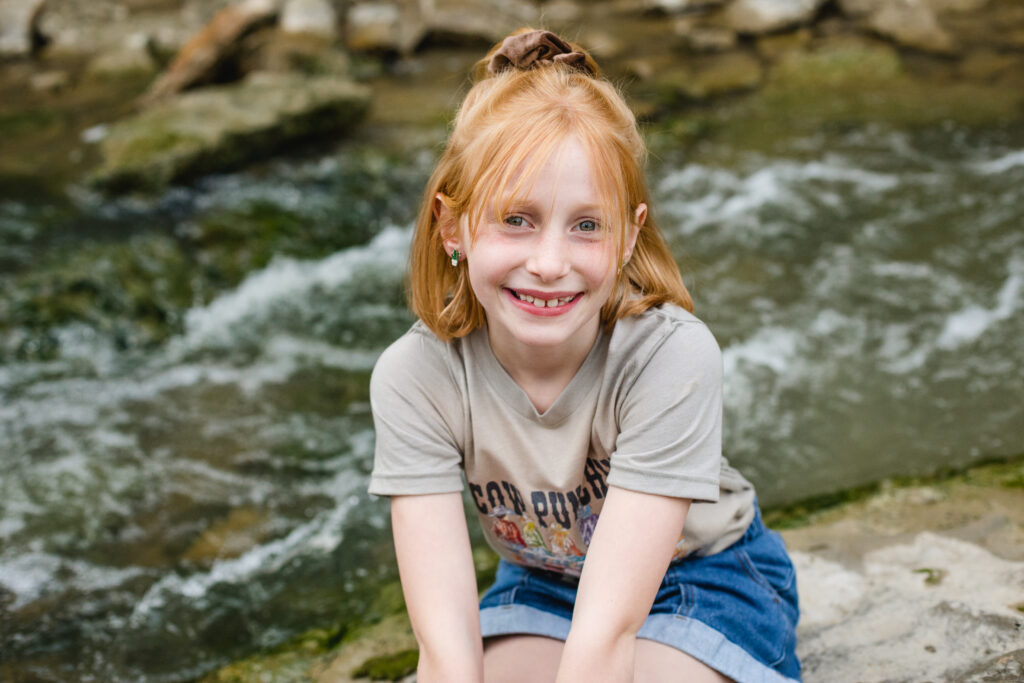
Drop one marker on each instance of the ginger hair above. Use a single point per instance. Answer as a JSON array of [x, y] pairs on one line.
[[507, 125]]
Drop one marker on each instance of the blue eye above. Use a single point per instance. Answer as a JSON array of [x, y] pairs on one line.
[[589, 226]]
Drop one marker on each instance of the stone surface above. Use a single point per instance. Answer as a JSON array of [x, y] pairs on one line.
[[706, 78], [911, 24], [758, 16], [316, 17], [123, 62], [19, 26], [923, 610], [200, 58], [222, 127], [481, 22], [384, 27]]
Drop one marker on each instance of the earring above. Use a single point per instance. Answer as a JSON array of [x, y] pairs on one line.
[[455, 257]]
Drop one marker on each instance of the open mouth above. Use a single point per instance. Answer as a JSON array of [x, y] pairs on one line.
[[543, 303]]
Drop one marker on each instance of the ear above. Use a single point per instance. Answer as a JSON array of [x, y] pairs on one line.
[[447, 223], [639, 218]]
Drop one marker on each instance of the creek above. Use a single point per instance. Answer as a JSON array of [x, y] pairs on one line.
[[167, 507]]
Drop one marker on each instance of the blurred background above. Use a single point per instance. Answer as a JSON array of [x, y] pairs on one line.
[[205, 211]]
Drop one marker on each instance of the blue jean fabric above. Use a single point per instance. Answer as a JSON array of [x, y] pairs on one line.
[[736, 610]]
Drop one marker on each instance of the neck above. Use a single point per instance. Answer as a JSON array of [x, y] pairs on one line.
[[543, 372]]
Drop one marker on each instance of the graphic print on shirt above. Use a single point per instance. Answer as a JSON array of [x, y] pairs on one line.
[[548, 529]]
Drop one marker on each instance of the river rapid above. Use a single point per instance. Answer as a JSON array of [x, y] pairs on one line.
[[168, 508]]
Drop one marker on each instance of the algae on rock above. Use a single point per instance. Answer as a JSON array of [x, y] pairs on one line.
[[220, 128]]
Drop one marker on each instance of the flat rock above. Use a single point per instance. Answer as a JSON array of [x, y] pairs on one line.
[[922, 610], [219, 128]]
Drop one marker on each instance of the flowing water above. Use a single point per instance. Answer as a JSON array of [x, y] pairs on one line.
[[165, 509]]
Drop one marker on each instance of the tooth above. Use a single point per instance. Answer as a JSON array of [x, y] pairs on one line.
[[552, 303], [539, 303], [527, 297]]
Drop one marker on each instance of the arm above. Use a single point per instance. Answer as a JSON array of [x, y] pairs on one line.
[[435, 563], [626, 562]]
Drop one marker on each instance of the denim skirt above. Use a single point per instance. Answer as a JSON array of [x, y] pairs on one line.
[[736, 610]]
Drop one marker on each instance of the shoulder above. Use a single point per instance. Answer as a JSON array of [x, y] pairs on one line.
[[417, 358], [666, 335]]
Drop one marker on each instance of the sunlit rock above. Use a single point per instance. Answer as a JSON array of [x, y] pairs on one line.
[[314, 17]]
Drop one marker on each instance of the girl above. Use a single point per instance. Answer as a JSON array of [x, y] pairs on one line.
[[556, 366]]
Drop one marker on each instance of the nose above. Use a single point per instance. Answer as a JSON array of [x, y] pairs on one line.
[[549, 258]]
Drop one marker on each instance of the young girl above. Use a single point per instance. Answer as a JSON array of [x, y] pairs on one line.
[[556, 366]]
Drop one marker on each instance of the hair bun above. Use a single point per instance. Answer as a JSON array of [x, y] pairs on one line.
[[537, 48]]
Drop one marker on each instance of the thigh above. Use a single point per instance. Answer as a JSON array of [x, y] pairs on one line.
[[658, 663], [521, 659]]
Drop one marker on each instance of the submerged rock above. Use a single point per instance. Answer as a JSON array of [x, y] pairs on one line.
[[223, 127]]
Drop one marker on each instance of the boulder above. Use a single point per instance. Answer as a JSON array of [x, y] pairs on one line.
[[479, 23], [131, 60], [911, 24], [200, 59], [758, 16], [701, 78], [312, 17], [219, 128], [395, 27], [19, 27]]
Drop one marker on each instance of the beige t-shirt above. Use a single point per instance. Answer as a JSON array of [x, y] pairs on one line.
[[644, 412]]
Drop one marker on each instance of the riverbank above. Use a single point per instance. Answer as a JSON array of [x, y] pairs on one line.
[[906, 580]]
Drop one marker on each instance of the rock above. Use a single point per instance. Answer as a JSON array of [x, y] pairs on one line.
[[759, 16], [479, 23], [19, 27], [121, 63], [199, 60], [772, 46], [707, 78], [911, 24], [50, 81], [314, 17], [384, 27], [701, 38], [677, 6], [277, 51], [886, 619], [223, 127]]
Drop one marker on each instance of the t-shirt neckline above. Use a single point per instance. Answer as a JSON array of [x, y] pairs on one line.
[[567, 402]]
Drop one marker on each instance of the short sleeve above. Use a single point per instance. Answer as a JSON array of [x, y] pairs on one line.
[[417, 411], [670, 420]]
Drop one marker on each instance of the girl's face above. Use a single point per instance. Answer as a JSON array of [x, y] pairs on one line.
[[543, 270]]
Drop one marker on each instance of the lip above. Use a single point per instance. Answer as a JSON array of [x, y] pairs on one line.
[[547, 311]]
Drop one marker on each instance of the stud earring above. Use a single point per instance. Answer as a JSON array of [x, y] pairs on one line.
[[455, 257]]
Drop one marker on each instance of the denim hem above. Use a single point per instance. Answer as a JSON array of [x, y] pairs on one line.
[[702, 642], [509, 619]]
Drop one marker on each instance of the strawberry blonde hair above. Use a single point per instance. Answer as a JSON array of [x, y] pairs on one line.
[[508, 125]]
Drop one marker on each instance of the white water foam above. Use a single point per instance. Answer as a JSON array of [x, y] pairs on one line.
[[287, 281], [1002, 164], [30, 576], [322, 535]]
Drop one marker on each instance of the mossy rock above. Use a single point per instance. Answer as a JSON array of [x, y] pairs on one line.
[[392, 667], [221, 128]]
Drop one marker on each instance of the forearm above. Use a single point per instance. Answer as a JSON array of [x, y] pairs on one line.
[[626, 562], [439, 583]]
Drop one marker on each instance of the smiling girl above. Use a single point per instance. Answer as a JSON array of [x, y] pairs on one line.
[[557, 367]]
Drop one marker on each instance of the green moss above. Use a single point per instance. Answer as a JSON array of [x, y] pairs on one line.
[[933, 576], [389, 667], [28, 121], [1002, 472]]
